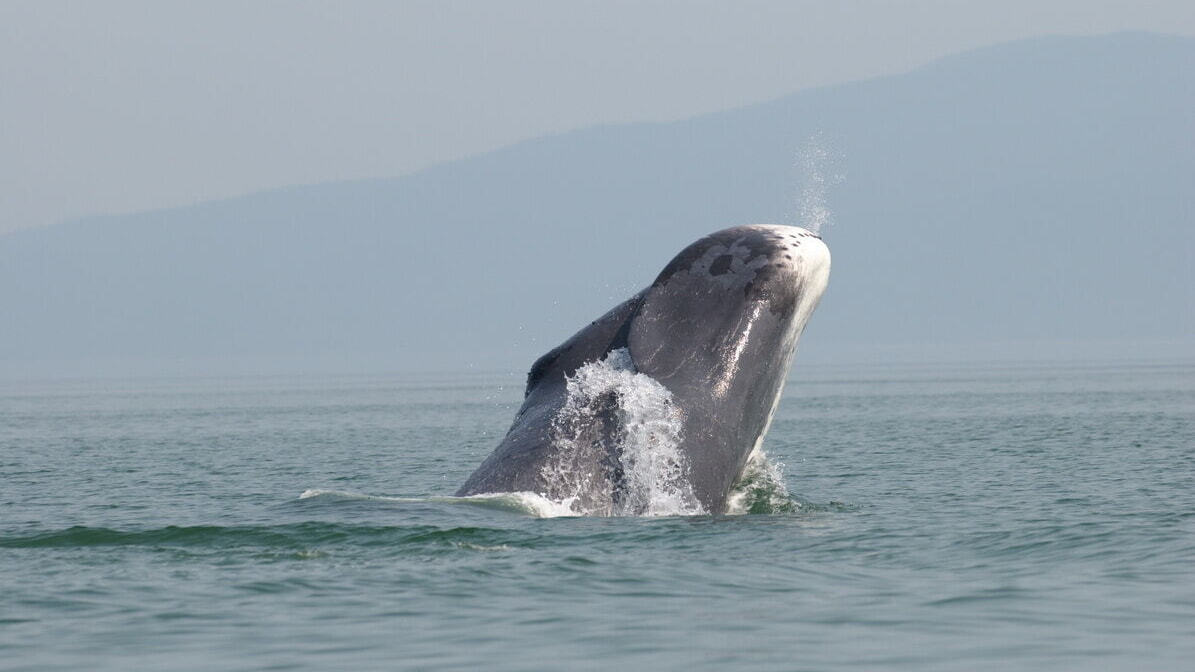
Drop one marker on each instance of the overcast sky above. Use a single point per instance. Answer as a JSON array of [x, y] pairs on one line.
[[109, 107]]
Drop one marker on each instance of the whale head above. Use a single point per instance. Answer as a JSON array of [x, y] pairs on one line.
[[719, 328], [713, 336]]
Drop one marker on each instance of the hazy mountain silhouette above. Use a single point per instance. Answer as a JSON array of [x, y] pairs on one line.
[[1026, 196]]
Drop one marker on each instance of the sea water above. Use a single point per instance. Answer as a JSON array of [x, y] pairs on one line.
[[906, 518]]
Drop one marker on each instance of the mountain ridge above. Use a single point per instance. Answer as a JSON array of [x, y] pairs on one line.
[[489, 260]]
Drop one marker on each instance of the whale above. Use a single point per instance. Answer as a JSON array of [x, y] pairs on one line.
[[657, 406]]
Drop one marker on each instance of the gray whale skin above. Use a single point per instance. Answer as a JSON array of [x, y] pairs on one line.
[[718, 328]]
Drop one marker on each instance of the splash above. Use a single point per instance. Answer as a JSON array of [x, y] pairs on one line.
[[616, 452], [761, 489], [816, 164], [622, 427], [661, 490]]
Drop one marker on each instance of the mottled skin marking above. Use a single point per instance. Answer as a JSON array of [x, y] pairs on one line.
[[717, 327], [721, 265]]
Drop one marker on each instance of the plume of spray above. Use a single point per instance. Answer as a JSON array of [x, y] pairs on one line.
[[818, 169]]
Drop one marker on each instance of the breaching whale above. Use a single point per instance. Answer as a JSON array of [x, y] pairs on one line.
[[669, 393]]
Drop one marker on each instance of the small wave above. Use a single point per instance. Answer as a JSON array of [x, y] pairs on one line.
[[312, 493], [527, 503], [523, 502], [303, 541], [760, 490], [213, 536]]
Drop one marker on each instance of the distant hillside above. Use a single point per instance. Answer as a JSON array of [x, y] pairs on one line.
[[1038, 192]]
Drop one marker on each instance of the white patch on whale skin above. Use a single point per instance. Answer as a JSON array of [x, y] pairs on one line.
[[813, 263]]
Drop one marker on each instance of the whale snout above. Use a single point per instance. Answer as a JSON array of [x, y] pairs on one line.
[[798, 250], [784, 267]]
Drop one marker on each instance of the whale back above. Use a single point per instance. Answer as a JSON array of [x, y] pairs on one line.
[[518, 463]]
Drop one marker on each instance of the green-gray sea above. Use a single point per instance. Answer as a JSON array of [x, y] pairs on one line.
[[941, 517]]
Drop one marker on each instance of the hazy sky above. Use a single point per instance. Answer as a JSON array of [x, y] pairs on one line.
[[124, 106]]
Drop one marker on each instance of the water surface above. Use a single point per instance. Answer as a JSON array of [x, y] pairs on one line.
[[946, 517]]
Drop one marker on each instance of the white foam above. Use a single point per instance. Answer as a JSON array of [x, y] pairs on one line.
[[761, 487], [316, 492], [654, 479], [528, 503], [343, 494]]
